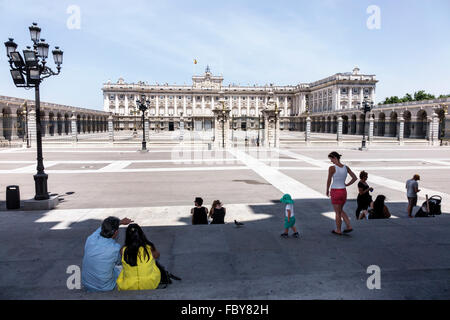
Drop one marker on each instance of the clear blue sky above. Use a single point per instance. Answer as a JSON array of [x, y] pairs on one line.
[[248, 42]]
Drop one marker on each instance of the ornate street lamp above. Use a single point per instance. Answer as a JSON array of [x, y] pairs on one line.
[[223, 115], [29, 72], [365, 107], [143, 107]]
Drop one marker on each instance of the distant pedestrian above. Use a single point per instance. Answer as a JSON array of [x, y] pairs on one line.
[[199, 213], [338, 173], [289, 219], [412, 187], [364, 199], [217, 213]]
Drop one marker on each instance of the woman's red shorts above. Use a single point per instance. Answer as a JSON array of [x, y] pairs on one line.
[[338, 196]]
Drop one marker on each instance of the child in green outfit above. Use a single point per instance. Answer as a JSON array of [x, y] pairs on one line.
[[289, 220]]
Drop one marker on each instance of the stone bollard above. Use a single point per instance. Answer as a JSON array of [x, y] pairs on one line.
[[73, 122], [32, 127], [401, 130], [308, 131], [435, 130], [111, 129], [147, 130], [371, 129], [339, 130]]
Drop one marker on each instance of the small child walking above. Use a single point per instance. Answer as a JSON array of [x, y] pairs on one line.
[[289, 219]]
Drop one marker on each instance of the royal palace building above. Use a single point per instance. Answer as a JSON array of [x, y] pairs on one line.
[[195, 103]]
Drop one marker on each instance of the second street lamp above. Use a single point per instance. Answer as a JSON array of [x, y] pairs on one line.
[[143, 107], [365, 107]]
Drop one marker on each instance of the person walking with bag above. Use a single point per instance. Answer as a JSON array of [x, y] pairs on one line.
[[338, 174]]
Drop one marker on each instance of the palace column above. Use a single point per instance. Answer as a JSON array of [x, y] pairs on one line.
[[350, 98]]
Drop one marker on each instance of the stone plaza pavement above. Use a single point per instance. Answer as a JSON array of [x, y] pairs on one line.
[[225, 262]]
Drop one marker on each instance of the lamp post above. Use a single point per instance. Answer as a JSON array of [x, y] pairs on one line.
[[222, 102], [259, 129], [365, 107], [143, 106], [29, 72]]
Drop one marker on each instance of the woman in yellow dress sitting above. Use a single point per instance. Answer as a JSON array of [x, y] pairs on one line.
[[139, 255]]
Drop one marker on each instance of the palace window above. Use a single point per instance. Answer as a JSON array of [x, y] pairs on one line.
[[344, 90], [366, 91], [111, 97], [243, 98], [355, 90], [121, 97]]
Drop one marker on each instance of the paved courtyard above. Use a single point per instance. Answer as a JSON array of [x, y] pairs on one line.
[[157, 189]]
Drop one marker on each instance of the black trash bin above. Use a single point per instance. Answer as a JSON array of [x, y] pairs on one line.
[[12, 197]]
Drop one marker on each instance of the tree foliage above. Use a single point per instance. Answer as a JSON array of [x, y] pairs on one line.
[[417, 96]]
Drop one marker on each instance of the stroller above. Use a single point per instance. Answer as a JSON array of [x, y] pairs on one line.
[[430, 208]]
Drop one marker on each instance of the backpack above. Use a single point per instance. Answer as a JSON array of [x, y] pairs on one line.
[[166, 276]]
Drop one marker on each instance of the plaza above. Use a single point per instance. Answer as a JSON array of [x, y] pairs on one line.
[[146, 108], [95, 180]]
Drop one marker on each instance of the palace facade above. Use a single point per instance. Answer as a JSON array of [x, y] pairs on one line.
[[196, 102]]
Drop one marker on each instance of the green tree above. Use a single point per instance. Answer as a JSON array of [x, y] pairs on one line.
[[407, 98], [422, 95]]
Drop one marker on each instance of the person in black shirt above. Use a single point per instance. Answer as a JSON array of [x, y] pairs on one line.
[[364, 199], [217, 213], [199, 213]]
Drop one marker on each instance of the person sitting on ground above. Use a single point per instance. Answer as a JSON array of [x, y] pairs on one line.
[[379, 210], [100, 266], [140, 270], [199, 213], [364, 199], [217, 213]]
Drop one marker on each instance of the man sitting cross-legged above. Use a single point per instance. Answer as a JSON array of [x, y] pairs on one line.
[[102, 256]]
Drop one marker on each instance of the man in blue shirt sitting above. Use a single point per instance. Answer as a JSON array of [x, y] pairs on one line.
[[102, 256]]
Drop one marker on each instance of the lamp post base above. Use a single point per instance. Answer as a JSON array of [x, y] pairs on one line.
[[363, 146], [144, 147], [40, 182]]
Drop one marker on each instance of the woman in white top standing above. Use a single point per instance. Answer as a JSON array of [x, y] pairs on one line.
[[338, 173]]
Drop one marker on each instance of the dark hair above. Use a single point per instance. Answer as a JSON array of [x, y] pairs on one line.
[[134, 239], [109, 226], [378, 205], [334, 154], [199, 201], [363, 175]]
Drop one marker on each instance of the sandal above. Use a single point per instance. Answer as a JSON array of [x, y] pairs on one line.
[[334, 232], [348, 230]]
